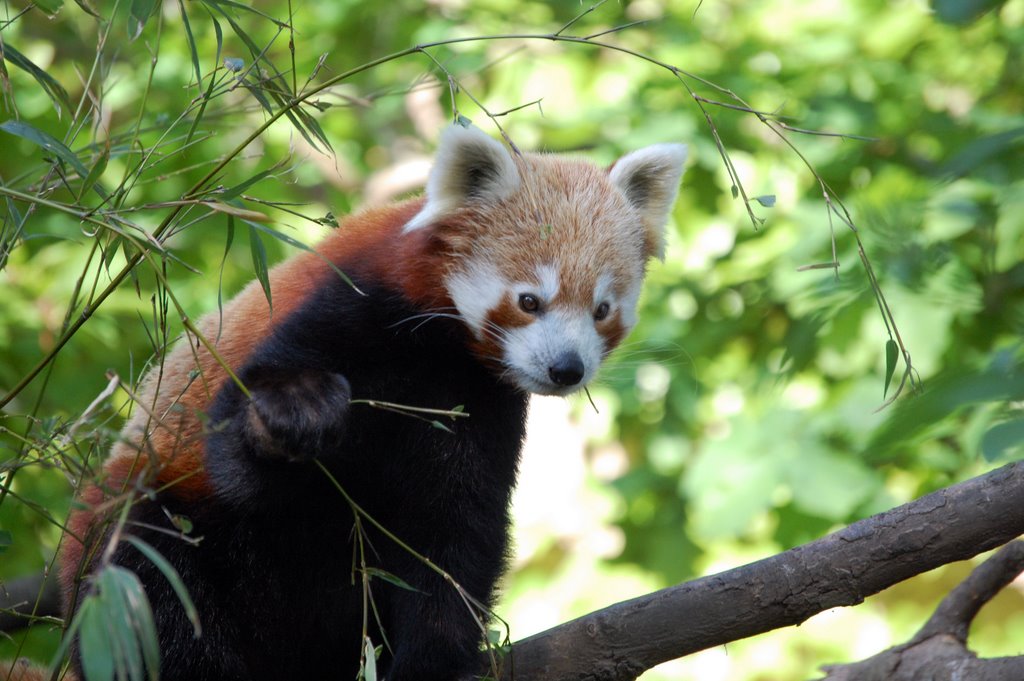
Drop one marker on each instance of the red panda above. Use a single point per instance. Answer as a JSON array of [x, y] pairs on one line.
[[514, 274]]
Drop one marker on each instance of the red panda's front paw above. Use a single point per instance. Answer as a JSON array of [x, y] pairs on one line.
[[293, 415]]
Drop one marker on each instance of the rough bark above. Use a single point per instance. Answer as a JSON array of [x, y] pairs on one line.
[[621, 641], [938, 652]]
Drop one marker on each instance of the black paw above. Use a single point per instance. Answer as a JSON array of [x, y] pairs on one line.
[[294, 415]]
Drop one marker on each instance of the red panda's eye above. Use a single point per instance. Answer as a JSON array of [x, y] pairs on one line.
[[601, 312], [529, 303]]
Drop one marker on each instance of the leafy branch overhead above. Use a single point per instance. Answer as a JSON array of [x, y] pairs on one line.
[[157, 152], [271, 89]]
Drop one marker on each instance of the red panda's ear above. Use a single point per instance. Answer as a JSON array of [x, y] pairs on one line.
[[649, 178], [469, 167]]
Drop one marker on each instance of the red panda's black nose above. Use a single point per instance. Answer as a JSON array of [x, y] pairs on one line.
[[567, 369]]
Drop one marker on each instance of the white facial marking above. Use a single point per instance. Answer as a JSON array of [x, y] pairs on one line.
[[531, 351], [629, 303], [547, 275], [476, 291]]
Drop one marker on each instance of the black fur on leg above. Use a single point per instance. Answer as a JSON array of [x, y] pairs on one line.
[[294, 415]]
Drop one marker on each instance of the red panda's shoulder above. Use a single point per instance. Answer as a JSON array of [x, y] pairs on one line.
[[368, 246]]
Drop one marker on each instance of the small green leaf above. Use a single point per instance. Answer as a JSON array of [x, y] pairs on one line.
[[110, 251], [259, 262], [441, 426], [236, 191], [49, 6], [182, 523], [892, 352], [329, 220], [95, 172], [46, 141], [735, 191], [390, 579], [88, 8], [138, 15], [6, 540], [237, 211], [369, 671]]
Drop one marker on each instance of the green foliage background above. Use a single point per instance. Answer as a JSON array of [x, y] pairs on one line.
[[742, 417]]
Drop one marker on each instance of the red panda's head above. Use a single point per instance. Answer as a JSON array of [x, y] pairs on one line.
[[543, 256]]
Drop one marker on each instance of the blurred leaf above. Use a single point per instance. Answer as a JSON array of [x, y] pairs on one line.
[[138, 15], [5, 540], [979, 150], [963, 12], [54, 90], [191, 40], [47, 142], [49, 6], [942, 396], [830, 487], [1003, 439], [88, 8]]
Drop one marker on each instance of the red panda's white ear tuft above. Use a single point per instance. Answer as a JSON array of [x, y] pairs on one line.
[[469, 167], [649, 178]]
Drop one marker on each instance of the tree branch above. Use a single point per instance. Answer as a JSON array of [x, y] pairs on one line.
[[938, 652], [25, 599], [621, 641]]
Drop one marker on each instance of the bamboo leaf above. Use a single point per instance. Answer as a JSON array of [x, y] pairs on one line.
[[213, 81], [391, 579], [259, 261], [88, 9], [243, 213], [891, 354], [234, 192], [138, 15], [370, 664], [298, 244], [58, 95], [94, 640], [172, 576], [191, 40], [1002, 439], [49, 6], [94, 174], [46, 141]]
